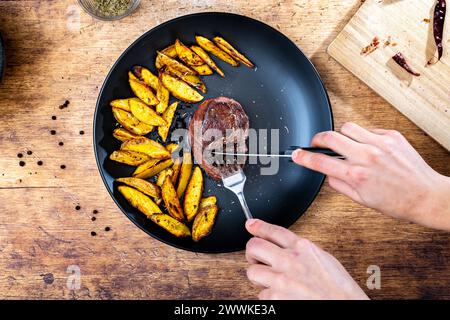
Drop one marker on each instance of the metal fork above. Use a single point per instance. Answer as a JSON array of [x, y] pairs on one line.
[[235, 181]]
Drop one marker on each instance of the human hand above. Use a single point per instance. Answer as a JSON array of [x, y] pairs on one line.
[[288, 267], [384, 172]]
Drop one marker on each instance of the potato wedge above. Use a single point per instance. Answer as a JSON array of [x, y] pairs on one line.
[[171, 200], [145, 114], [202, 53], [180, 89], [131, 158], [167, 173], [143, 186], [176, 170], [187, 55], [132, 76], [162, 60], [190, 79], [123, 135], [147, 146], [203, 70], [172, 147], [185, 173], [151, 168], [144, 204], [121, 104], [168, 115], [193, 194], [170, 51], [146, 76], [143, 92], [163, 96], [228, 48], [209, 46], [204, 222], [208, 201], [129, 122]]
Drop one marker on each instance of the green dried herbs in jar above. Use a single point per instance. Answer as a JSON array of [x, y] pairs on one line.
[[109, 9]]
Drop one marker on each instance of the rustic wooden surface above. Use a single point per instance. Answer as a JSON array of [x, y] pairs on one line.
[[56, 52], [425, 99]]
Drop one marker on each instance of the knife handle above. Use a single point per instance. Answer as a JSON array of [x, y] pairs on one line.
[[324, 151]]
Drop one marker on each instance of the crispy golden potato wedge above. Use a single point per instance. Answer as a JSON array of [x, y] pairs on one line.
[[163, 175], [131, 158], [185, 173], [121, 104], [144, 204], [202, 53], [132, 76], [209, 46], [171, 200], [145, 114], [146, 76], [193, 194], [203, 70], [204, 222], [170, 51], [190, 79], [143, 92], [208, 201], [123, 135], [168, 115], [147, 146], [129, 122], [187, 55], [164, 61], [151, 168], [163, 96], [228, 48], [176, 170], [180, 89], [143, 186], [172, 147]]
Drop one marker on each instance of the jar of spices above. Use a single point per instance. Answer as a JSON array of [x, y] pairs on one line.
[[109, 9]]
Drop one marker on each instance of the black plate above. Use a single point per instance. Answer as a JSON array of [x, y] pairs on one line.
[[284, 92], [2, 57]]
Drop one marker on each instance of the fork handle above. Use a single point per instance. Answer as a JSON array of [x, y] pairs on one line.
[[240, 196]]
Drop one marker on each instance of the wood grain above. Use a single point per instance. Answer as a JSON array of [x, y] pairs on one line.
[[424, 99], [55, 52]]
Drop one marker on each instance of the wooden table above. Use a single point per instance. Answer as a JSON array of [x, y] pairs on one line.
[[56, 52]]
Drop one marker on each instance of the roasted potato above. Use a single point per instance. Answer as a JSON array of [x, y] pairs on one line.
[[147, 146], [172, 147], [193, 194], [143, 186], [170, 51], [180, 89], [132, 76], [208, 201], [202, 53], [228, 48], [204, 222], [187, 55], [144, 204], [203, 70], [171, 200], [163, 96], [185, 173], [176, 170], [131, 158], [146, 76], [121, 104], [209, 46], [151, 168], [123, 135], [145, 114], [129, 122], [168, 115], [190, 79], [167, 173], [162, 60], [143, 92]]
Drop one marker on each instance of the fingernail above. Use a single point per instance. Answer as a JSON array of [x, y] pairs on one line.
[[296, 154], [250, 223]]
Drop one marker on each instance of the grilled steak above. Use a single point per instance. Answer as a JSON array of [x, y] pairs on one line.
[[220, 125]]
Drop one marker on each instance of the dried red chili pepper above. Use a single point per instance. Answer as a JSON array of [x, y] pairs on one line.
[[401, 61], [438, 25]]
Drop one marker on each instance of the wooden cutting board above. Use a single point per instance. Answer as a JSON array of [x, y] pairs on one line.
[[425, 99]]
